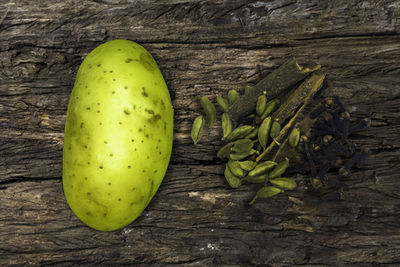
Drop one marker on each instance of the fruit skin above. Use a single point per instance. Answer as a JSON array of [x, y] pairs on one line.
[[118, 135]]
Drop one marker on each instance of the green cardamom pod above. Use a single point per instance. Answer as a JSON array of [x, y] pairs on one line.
[[255, 179], [240, 156], [223, 103], [261, 104], [242, 145], [247, 89], [275, 129], [284, 183], [247, 165], [223, 152], [265, 192], [263, 168], [263, 132], [197, 129], [239, 133], [279, 169], [294, 137], [270, 107], [233, 96], [232, 180], [226, 125], [235, 168], [252, 134], [209, 110]]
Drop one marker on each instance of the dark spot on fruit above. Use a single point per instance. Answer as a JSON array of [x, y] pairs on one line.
[[148, 157], [85, 146], [157, 147], [119, 123], [86, 178], [131, 203], [159, 140], [134, 106], [109, 183], [81, 125], [155, 171], [128, 60], [135, 149], [133, 188], [104, 71], [142, 141], [147, 61], [132, 140], [88, 213], [129, 166], [140, 129], [159, 152], [165, 126], [119, 49], [125, 87], [105, 142], [88, 108], [108, 194], [98, 65], [100, 123], [69, 148], [150, 111], [101, 167], [90, 66], [147, 136], [98, 103], [119, 199], [113, 92], [144, 93], [88, 163], [98, 111], [163, 104], [111, 71], [143, 171], [85, 86], [114, 80], [111, 154], [104, 214], [88, 193]]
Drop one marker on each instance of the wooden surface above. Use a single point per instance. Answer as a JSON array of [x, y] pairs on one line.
[[202, 48]]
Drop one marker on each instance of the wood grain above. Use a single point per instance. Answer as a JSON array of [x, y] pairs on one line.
[[202, 48]]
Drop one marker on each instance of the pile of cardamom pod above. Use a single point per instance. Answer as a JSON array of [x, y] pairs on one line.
[[267, 121]]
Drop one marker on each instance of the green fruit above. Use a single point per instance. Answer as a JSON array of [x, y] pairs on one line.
[[118, 135]]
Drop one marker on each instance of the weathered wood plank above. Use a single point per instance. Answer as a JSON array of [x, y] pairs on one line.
[[202, 48]]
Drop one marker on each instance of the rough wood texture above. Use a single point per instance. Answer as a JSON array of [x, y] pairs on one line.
[[203, 48]]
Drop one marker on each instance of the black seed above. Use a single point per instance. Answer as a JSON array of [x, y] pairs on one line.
[[88, 163], [111, 71], [132, 140], [147, 136], [129, 166], [101, 167], [119, 199], [98, 65], [109, 183], [88, 108], [104, 71]]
